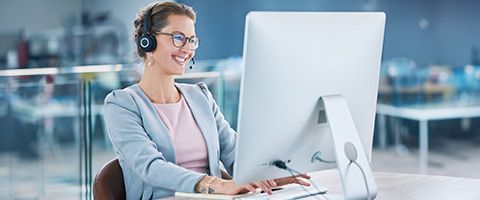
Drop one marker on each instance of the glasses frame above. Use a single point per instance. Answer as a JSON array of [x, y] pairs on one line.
[[187, 39]]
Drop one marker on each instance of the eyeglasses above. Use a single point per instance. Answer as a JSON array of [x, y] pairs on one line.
[[180, 40]]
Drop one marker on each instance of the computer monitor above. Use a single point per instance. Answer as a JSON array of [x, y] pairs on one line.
[[291, 59]]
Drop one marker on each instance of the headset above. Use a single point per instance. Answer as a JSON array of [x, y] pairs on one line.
[[147, 42]]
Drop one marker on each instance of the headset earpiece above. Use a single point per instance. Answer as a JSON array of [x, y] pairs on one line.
[[147, 42]]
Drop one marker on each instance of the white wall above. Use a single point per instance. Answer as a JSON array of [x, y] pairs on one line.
[[124, 10], [34, 15], [458, 31]]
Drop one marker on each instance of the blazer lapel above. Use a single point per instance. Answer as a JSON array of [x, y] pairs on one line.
[[156, 125]]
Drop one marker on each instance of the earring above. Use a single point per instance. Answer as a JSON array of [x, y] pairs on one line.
[[148, 63]]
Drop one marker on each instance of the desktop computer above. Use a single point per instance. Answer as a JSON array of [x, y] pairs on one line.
[[308, 96]]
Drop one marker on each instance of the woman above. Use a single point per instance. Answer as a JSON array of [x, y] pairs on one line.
[[168, 136]]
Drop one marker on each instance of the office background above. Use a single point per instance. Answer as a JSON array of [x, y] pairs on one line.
[[52, 137]]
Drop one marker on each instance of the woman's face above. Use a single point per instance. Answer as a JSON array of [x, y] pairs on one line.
[[170, 59]]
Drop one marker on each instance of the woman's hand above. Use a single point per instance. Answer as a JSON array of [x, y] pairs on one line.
[[215, 185], [267, 185], [293, 179]]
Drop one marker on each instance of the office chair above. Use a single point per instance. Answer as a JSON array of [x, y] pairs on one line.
[[108, 184]]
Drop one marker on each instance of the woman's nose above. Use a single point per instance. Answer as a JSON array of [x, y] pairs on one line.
[[186, 49]]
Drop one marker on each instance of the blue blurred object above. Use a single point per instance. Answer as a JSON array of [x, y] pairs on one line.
[[403, 81], [471, 82]]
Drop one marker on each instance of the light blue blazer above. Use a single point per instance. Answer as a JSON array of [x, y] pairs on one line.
[[145, 149]]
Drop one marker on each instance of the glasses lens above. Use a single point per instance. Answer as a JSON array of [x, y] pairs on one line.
[[193, 43], [179, 40]]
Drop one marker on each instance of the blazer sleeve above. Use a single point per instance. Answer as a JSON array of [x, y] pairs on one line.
[[227, 136], [138, 151]]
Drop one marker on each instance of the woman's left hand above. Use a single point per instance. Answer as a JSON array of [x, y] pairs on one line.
[[293, 179], [267, 185]]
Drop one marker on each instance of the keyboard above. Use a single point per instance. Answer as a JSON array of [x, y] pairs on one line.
[[289, 193]]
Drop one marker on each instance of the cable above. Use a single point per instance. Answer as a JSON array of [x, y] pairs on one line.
[[364, 178], [314, 185], [280, 164], [318, 157], [351, 154], [326, 161], [314, 195]]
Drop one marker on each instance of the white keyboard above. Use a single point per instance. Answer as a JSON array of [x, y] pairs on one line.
[[290, 193]]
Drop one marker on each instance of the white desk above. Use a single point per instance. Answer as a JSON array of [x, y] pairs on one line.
[[423, 114], [393, 186]]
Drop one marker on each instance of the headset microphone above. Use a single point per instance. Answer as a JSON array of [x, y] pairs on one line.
[[193, 63]]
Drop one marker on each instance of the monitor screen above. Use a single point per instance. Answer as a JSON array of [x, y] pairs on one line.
[[291, 59]]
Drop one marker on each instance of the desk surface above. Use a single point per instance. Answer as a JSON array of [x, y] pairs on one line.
[[410, 186], [392, 186], [429, 112]]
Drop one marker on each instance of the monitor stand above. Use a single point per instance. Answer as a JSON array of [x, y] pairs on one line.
[[352, 163]]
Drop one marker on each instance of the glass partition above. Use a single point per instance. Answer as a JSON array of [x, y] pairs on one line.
[[39, 150], [53, 138]]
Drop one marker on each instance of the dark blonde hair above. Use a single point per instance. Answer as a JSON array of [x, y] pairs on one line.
[[158, 19]]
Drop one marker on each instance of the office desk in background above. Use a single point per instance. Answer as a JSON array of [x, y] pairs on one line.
[[393, 186], [423, 114]]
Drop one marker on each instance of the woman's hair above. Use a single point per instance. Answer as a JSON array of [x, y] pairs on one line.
[[158, 19]]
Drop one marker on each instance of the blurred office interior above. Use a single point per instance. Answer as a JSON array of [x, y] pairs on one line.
[[59, 59]]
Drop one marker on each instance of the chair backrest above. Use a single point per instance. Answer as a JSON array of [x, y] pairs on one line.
[[109, 183]]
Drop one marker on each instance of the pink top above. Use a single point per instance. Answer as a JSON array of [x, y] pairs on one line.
[[188, 142]]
